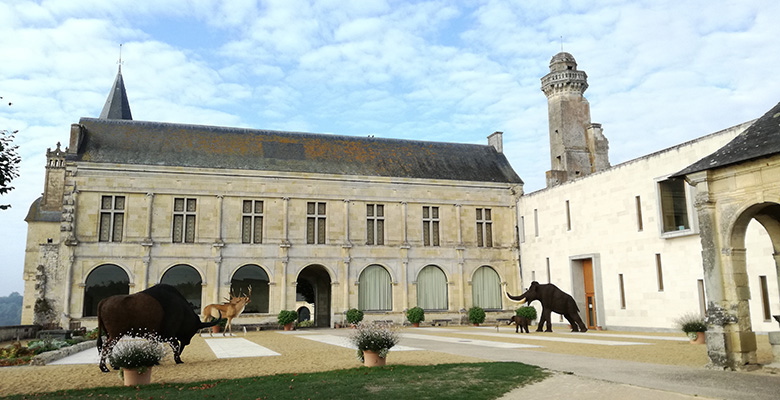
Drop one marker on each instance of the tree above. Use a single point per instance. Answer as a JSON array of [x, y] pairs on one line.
[[9, 162]]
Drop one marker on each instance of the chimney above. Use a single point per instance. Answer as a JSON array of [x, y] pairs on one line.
[[496, 140]]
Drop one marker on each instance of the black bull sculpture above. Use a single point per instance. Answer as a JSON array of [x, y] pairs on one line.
[[552, 299], [159, 310]]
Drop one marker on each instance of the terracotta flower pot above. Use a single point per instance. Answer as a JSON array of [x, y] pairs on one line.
[[215, 329], [133, 378], [288, 327], [416, 324], [699, 338], [372, 359]]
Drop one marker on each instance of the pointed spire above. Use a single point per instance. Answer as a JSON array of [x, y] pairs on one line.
[[117, 106]]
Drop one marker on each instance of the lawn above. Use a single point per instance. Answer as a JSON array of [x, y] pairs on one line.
[[465, 381]]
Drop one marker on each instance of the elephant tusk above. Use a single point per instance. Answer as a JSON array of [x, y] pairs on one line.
[[523, 301]]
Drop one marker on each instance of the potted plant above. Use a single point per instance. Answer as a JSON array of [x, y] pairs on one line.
[[415, 315], [354, 316], [693, 325], [135, 357], [476, 315], [526, 311], [287, 318], [373, 342]]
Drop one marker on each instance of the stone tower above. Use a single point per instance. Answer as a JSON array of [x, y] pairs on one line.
[[577, 146]]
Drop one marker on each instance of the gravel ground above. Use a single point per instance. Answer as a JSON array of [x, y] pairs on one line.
[[301, 355]]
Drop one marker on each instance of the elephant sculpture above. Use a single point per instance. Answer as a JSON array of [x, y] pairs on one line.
[[521, 323], [552, 299]]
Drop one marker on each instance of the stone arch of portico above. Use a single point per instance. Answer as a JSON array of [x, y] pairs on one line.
[[731, 341]]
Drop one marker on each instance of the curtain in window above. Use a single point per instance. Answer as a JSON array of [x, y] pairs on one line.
[[432, 289], [104, 281], [375, 290], [486, 288]]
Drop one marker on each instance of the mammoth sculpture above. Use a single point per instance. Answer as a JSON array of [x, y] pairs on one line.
[[552, 299]]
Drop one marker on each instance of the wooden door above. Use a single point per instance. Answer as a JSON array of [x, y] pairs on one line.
[[590, 294]]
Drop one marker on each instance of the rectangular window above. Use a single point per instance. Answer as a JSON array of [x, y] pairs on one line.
[[375, 224], [521, 230], [674, 205], [112, 218], [622, 292], [430, 226], [315, 223], [484, 228], [549, 276], [659, 270], [568, 216], [639, 226], [184, 211], [765, 298], [536, 223], [252, 221]]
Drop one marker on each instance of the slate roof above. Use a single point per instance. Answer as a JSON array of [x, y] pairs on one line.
[[197, 146], [36, 214], [117, 106], [761, 139]]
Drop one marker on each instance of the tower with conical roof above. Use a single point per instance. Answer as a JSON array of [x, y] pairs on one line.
[[577, 146], [117, 106]]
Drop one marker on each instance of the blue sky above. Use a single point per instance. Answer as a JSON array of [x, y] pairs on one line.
[[660, 72]]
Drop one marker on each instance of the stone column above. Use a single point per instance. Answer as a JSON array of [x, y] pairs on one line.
[[148, 243]]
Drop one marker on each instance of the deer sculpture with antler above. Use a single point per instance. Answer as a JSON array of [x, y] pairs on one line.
[[232, 309]]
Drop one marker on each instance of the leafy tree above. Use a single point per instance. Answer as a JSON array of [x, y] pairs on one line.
[[9, 162], [11, 309]]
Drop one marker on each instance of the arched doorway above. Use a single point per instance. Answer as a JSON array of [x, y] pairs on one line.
[[186, 280], [314, 287], [104, 281], [256, 277]]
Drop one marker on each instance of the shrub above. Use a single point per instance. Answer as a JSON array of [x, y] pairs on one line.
[[476, 315], [138, 353], [691, 323], [378, 338], [306, 324], [354, 316], [415, 315], [287, 317], [528, 312]]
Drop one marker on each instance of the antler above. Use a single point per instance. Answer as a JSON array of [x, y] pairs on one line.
[[250, 291]]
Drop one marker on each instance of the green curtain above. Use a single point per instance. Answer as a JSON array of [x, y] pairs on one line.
[[486, 289], [432, 289], [375, 290]]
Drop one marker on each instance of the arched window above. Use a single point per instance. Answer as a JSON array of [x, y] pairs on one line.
[[432, 289], [255, 276], [375, 292], [187, 281], [104, 281], [486, 288]]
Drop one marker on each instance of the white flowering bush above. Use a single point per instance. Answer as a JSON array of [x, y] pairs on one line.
[[138, 353], [378, 338]]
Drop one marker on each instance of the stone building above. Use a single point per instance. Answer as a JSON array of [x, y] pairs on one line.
[[335, 221]]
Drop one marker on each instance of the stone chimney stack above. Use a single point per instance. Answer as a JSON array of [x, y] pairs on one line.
[[496, 139]]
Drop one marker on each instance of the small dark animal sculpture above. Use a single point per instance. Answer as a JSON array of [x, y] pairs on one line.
[[160, 310], [521, 323], [552, 299]]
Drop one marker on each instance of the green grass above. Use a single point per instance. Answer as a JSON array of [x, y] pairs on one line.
[[446, 381]]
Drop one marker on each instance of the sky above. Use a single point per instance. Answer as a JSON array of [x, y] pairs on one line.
[[660, 73]]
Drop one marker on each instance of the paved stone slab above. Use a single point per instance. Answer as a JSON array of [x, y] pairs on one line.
[[237, 348], [630, 336], [344, 342], [538, 336], [473, 342]]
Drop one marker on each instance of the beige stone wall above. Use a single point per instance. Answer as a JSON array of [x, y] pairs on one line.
[[218, 252], [604, 227]]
